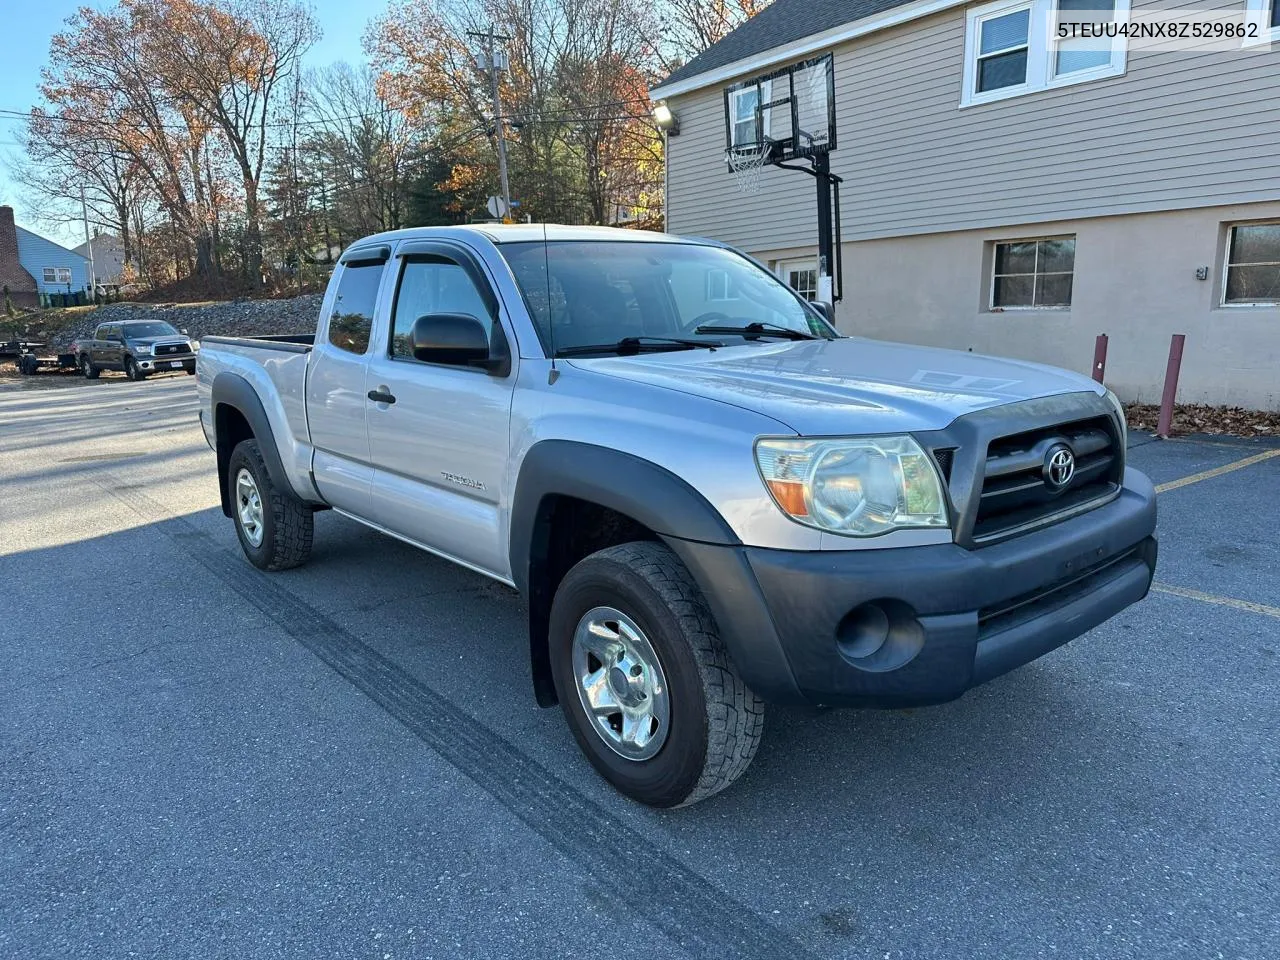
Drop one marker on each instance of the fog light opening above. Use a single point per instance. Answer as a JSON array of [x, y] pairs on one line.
[[880, 635], [863, 631]]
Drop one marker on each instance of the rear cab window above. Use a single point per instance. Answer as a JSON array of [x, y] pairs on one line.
[[351, 322]]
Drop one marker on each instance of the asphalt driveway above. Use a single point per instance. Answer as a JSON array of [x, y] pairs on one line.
[[201, 760]]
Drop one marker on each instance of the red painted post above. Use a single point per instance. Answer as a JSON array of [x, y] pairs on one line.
[[1100, 357], [1170, 386]]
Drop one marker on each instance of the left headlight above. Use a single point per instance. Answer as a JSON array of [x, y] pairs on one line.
[[142, 349], [856, 486], [195, 345]]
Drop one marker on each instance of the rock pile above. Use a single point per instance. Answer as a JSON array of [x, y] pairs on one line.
[[232, 318]]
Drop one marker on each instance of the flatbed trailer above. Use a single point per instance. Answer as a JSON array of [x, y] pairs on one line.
[[32, 358]]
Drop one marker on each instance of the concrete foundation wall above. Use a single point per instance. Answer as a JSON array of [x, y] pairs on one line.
[[1135, 280]]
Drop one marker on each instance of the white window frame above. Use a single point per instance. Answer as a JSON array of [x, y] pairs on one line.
[[766, 94], [1226, 266], [782, 267], [1259, 12], [50, 275], [1042, 50], [56, 275], [991, 285]]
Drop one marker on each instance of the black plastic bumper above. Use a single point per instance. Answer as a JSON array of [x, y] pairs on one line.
[[919, 625]]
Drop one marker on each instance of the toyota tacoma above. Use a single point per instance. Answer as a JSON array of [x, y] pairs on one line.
[[709, 498]]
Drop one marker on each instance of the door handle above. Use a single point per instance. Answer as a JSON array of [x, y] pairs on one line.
[[381, 396]]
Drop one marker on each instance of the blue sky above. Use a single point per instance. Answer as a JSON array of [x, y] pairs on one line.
[[28, 26]]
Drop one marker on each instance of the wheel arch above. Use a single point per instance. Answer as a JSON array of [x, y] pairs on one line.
[[238, 415], [574, 498]]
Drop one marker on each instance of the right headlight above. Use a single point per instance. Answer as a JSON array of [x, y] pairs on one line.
[[856, 486]]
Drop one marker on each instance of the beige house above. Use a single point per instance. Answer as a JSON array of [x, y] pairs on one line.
[[1011, 195]]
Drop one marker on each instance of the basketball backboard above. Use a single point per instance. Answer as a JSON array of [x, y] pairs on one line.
[[782, 115]]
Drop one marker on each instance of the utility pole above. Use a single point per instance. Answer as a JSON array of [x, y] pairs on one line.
[[88, 242], [491, 63]]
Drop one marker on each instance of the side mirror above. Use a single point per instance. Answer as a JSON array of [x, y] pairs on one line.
[[460, 340], [827, 310], [185, 332]]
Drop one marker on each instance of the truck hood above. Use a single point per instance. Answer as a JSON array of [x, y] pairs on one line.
[[849, 385]]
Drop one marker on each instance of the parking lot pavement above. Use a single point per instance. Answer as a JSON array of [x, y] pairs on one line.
[[200, 760]]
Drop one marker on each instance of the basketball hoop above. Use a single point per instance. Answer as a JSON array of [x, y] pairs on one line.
[[747, 163]]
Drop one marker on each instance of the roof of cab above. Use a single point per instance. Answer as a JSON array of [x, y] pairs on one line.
[[523, 232]]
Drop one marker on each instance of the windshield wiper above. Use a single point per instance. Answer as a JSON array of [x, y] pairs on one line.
[[759, 328], [629, 346]]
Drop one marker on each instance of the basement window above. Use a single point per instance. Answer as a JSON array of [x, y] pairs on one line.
[[1253, 265], [1035, 274]]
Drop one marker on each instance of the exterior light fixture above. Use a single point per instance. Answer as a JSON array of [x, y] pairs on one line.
[[665, 119]]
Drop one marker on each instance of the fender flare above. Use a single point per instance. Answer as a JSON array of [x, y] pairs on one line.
[[647, 493], [234, 391]]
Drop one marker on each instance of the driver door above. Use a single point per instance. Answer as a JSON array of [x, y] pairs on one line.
[[440, 447]]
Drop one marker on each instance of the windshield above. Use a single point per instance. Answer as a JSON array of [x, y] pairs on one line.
[[589, 292], [149, 329]]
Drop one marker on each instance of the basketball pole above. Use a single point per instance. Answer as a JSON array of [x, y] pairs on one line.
[[826, 258]]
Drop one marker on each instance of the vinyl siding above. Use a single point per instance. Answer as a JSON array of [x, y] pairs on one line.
[[1177, 131], [35, 253]]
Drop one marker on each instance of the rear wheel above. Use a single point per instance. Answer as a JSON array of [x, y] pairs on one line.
[[275, 528], [132, 370], [87, 368], [645, 681]]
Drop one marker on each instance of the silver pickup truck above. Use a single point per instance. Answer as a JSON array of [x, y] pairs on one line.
[[708, 497]]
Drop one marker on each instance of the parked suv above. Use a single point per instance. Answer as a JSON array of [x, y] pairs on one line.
[[138, 347], [709, 498]]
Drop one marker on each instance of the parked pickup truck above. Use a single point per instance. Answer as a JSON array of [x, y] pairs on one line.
[[138, 347], [709, 498]]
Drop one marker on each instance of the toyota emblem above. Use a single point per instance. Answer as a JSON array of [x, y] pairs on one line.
[[1059, 467]]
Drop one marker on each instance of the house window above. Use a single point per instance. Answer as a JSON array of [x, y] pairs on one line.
[[1002, 50], [1033, 274], [1264, 17], [1253, 264], [749, 124], [801, 276], [57, 274], [1012, 47]]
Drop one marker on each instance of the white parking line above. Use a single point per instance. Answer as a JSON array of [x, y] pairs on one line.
[[1221, 601]]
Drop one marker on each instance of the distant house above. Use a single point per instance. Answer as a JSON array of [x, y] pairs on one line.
[[34, 268], [108, 258], [1004, 191]]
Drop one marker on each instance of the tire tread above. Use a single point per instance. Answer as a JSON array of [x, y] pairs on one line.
[[735, 715]]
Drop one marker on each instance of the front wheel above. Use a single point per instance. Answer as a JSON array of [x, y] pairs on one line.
[[132, 370], [274, 527], [645, 681]]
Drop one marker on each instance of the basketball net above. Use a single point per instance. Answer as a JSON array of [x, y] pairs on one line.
[[746, 167]]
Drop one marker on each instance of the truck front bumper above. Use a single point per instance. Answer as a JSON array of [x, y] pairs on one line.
[[181, 361], [920, 625]]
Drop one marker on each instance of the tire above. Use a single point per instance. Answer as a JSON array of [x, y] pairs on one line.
[[132, 370], [191, 370], [285, 524], [714, 721], [88, 369]]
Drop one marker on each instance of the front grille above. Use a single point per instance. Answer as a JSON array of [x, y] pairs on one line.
[[169, 349], [1015, 495]]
